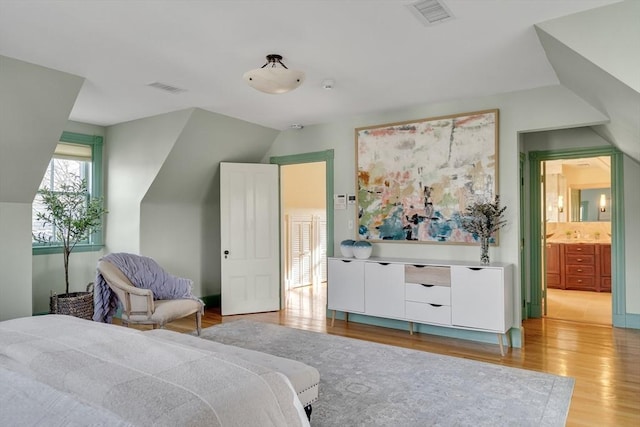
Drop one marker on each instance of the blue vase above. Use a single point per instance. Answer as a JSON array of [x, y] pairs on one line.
[[362, 249], [346, 248]]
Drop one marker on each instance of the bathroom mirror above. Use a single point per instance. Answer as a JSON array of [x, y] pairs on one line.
[[590, 204]]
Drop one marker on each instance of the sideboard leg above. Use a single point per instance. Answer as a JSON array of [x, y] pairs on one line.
[[500, 344], [410, 328], [333, 318]]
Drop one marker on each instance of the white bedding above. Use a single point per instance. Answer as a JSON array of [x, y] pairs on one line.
[[124, 375]]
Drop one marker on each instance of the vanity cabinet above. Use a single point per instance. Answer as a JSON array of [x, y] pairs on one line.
[[553, 265], [605, 268], [579, 266], [449, 294]]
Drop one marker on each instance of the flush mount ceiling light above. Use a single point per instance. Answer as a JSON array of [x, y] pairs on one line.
[[274, 77]]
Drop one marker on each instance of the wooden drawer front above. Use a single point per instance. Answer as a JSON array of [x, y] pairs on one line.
[[428, 313], [580, 270], [578, 259], [427, 294], [427, 275], [605, 284], [553, 280], [580, 282], [580, 249]]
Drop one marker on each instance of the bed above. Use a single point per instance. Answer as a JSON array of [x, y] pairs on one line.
[[60, 370]]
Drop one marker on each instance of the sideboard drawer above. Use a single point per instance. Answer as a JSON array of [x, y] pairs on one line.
[[427, 293], [427, 275], [420, 312]]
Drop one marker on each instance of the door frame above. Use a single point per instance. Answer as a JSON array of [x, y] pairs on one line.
[[327, 157], [618, 283]]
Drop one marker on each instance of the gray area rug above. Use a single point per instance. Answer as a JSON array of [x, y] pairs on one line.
[[369, 384]]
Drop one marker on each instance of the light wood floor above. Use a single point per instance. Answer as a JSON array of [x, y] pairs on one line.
[[579, 306], [604, 361]]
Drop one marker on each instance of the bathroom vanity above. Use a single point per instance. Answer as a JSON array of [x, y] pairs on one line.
[[579, 266]]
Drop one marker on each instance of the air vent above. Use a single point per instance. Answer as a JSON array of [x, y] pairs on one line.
[[166, 87], [430, 12]]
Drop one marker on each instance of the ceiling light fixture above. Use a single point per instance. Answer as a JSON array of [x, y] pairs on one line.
[[274, 77]]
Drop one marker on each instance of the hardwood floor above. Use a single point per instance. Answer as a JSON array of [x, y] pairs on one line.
[[604, 361]]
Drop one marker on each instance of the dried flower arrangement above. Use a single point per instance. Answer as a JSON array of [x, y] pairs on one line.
[[483, 220]]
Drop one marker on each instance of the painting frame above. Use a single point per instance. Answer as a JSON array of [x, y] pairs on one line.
[[414, 179]]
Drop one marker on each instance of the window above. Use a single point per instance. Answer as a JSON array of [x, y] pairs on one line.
[[75, 156]]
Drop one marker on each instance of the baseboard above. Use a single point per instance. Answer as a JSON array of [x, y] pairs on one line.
[[628, 320]]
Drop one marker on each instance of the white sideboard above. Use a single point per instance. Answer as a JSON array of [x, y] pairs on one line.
[[444, 293]]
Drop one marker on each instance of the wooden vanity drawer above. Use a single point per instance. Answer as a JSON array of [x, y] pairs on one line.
[[420, 312], [580, 270], [580, 282], [580, 249], [427, 275], [427, 293], [577, 259]]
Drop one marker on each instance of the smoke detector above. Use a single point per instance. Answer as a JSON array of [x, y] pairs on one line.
[[328, 84]]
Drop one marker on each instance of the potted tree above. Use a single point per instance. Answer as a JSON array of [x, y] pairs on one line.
[[74, 215]]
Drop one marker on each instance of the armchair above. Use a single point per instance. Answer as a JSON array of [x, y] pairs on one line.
[[139, 306]]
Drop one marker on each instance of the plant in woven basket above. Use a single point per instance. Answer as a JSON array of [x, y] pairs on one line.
[[483, 220], [73, 214]]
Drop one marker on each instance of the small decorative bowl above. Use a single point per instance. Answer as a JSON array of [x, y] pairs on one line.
[[362, 249], [346, 248]]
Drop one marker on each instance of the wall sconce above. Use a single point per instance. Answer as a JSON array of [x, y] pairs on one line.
[[560, 204], [603, 203]]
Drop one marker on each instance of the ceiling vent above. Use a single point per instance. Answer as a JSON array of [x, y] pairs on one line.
[[430, 12], [166, 87]]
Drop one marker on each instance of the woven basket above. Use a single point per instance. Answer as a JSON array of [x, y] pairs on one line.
[[77, 304]]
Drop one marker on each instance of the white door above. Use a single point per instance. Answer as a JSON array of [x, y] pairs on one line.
[[249, 237]]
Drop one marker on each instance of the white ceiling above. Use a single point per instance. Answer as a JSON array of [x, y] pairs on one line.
[[380, 56]]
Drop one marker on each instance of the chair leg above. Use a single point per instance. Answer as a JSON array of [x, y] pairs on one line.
[[198, 322]]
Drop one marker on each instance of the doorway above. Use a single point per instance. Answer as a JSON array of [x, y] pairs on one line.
[[576, 213], [304, 224], [535, 232], [306, 237]]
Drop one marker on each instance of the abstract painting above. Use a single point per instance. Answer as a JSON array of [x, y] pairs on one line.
[[416, 178]]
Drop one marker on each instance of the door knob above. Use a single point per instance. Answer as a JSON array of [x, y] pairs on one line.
[[226, 254]]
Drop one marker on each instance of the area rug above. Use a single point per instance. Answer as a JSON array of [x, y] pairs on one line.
[[370, 384]]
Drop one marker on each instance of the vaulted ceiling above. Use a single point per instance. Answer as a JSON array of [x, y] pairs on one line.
[[380, 56]]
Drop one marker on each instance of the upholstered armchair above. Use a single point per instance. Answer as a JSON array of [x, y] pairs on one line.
[[138, 305]]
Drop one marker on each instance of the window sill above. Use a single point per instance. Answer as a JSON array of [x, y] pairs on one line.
[[48, 250]]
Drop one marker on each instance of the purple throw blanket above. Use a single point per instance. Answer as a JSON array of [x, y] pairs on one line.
[[142, 272]]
